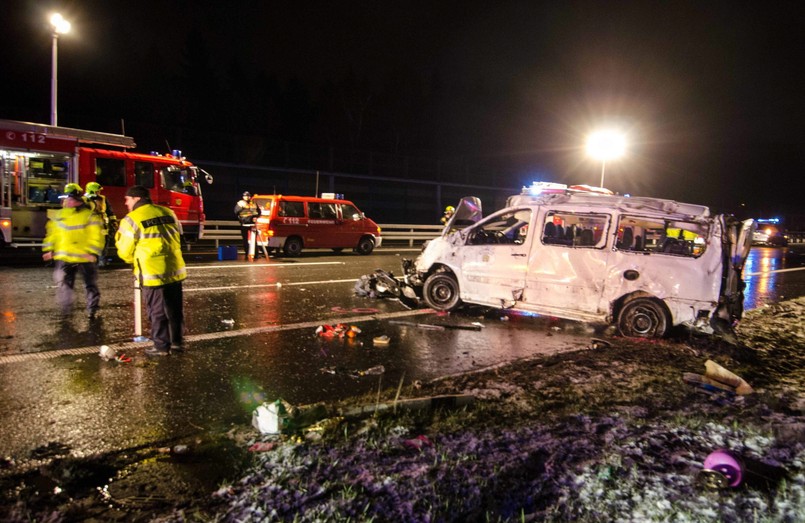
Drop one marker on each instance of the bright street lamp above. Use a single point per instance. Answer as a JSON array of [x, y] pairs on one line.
[[60, 26], [606, 145]]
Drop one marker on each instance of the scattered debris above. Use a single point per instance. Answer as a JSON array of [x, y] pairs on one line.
[[379, 284], [381, 341], [474, 326], [228, 322], [371, 371], [337, 331], [718, 379], [263, 446], [270, 418], [726, 464], [418, 442], [108, 354], [140, 339], [598, 343]]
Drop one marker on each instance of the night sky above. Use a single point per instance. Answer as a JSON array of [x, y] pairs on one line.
[[711, 94]]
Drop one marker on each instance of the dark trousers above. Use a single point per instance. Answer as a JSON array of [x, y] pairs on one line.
[[244, 232], [64, 277], [164, 306]]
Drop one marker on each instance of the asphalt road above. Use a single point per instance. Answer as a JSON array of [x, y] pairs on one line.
[[252, 338]]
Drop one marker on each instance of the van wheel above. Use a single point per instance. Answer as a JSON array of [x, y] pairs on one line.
[[441, 292], [293, 247], [365, 246], [643, 318]]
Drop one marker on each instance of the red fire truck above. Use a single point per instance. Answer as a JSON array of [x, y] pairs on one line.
[[37, 161]]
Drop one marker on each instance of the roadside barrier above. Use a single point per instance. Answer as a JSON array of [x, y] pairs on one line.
[[228, 231]]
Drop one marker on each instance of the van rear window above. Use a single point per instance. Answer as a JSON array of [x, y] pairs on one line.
[[652, 235], [584, 230]]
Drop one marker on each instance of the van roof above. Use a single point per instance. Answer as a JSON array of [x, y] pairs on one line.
[[621, 203], [300, 198]]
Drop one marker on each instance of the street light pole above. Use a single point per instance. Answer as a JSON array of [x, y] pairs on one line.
[[603, 167], [606, 145], [60, 26]]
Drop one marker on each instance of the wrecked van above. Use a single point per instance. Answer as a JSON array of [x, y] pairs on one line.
[[642, 264]]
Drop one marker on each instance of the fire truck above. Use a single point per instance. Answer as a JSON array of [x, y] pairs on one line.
[[37, 161]]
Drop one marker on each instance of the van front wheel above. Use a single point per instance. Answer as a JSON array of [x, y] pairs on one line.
[[643, 318], [441, 292], [365, 246], [292, 247]]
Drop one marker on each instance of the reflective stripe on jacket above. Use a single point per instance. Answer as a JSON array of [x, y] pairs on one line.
[[75, 235], [149, 237], [246, 212]]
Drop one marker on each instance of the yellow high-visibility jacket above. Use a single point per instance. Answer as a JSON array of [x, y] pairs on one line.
[[149, 237], [75, 235]]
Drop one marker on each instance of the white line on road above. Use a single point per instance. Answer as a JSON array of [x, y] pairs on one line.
[[261, 265], [761, 273], [130, 346], [278, 285]]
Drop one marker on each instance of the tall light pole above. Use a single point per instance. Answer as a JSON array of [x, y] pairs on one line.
[[60, 26], [606, 145]]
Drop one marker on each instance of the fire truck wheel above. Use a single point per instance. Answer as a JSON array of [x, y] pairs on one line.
[[643, 318], [441, 291], [365, 246], [293, 247]]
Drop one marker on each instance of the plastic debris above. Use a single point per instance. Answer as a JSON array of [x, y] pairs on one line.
[[107, 353], [718, 379], [338, 330], [270, 418], [373, 371], [597, 343], [141, 339], [418, 442], [263, 446], [379, 284], [726, 464], [228, 322], [381, 341]]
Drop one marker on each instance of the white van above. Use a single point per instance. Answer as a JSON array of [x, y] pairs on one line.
[[643, 264]]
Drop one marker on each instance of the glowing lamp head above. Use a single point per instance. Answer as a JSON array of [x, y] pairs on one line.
[[60, 25], [606, 145]]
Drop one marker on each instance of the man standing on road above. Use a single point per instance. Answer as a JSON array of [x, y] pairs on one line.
[[149, 237], [75, 241], [104, 210], [247, 212]]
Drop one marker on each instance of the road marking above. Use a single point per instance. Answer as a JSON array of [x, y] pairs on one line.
[[277, 284], [128, 347], [261, 265], [761, 273]]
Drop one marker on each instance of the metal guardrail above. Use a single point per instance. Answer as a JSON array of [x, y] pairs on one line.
[[229, 231]]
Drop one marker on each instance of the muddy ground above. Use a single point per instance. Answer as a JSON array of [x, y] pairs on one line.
[[609, 433]]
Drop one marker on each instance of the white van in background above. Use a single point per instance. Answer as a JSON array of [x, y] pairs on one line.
[[643, 264]]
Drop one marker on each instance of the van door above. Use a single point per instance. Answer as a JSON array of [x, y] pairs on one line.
[[567, 267], [739, 235], [494, 258], [321, 225], [350, 228]]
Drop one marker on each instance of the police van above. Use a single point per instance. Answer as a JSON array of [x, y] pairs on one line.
[[292, 223], [583, 253]]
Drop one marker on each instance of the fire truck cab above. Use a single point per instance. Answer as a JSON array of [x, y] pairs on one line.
[[37, 161]]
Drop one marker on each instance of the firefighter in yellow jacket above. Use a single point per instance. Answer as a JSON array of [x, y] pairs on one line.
[[74, 241], [149, 237], [102, 207]]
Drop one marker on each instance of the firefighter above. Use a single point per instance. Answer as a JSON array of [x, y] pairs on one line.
[[247, 212], [149, 238], [74, 241], [103, 208], [448, 213]]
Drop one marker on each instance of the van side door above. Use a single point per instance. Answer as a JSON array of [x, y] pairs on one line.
[[494, 258], [568, 264]]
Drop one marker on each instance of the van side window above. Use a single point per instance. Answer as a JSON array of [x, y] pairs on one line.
[[292, 209], [324, 211], [144, 174], [350, 212], [110, 172], [509, 228], [654, 235], [575, 230]]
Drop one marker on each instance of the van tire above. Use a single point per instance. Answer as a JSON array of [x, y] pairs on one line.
[[441, 292], [365, 246], [292, 247], [643, 318]]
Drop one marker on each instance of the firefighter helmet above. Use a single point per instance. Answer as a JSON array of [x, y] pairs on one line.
[[73, 189], [449, 208], [93, 188], [247, 194]]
